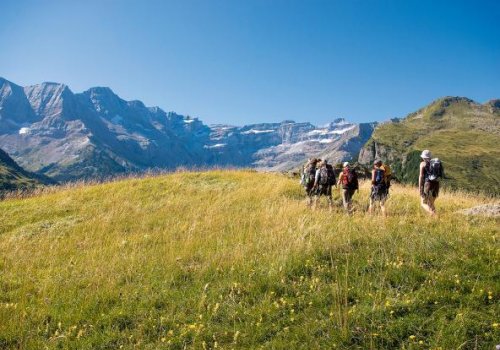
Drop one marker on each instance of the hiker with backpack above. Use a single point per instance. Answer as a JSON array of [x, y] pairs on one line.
[[380, 189], [348, 179], [431, 170], [324, 180], [388, 176], [307, 179]]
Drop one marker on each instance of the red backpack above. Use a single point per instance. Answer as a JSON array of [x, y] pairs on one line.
[[349, 178]]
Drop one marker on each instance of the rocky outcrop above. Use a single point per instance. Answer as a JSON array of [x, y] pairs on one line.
[[494, 106]]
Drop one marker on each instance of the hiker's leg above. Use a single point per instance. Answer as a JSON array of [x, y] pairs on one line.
[[329, 197], [308, 198], [423, 203], [382, 206], [370, 207], [433, 195], [344, 198], [431, 205], [316, 200], [350, 193]]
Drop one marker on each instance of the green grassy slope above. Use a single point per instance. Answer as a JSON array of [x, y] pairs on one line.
[[13, 177], [464, 134], [234, 259]]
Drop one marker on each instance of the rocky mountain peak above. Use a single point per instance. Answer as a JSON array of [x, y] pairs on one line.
[[48, 98], [15, 109], [451, 100]]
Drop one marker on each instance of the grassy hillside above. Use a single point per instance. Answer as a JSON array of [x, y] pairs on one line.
[[464, 134], [234, 259], [13, 177]]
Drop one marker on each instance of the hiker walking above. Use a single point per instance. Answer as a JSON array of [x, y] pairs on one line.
[[431, 170], [380, 189], [307, 179], [388, 176], [323, 182], [348, 179]]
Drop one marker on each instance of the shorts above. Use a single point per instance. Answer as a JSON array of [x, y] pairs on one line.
[[324, 191], [431, 189], [347, 194], [379, 194], [309, 190]]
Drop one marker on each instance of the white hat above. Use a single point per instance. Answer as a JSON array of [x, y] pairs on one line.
[[426, 154], [345, 164]]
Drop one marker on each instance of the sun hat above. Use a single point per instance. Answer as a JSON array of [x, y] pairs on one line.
[[345, 164], [426, 154]]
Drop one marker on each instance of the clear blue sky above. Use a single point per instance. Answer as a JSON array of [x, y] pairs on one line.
[[260, 60]]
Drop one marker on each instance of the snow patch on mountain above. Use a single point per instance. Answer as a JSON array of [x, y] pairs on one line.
[[217, 145], [255, 131], [24, 131]]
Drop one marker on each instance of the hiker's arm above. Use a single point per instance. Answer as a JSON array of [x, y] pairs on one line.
[[316, 178], [340, 179], [373, 177], [421, 178]]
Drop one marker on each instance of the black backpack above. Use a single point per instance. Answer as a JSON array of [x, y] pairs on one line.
[[435, 170]]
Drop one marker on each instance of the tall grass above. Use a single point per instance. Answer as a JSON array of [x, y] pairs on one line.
[[234, 259]]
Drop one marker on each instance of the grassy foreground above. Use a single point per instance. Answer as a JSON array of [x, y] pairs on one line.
[[234, 259]]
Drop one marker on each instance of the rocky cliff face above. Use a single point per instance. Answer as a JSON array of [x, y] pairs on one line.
[[49, 129]]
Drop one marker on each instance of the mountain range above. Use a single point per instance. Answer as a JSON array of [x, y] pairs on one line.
[[50, 130]]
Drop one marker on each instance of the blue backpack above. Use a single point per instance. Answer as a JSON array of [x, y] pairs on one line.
[[379, 177]]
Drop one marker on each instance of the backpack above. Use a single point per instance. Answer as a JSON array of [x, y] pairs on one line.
[[379, 176], [326, 176], [331, 175], [387, 174], [349, 178], [308, 175], [435, 170]]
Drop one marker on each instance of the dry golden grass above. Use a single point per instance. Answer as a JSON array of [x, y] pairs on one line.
[[234, 259]]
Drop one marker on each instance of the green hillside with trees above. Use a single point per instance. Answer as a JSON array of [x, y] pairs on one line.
[[464, 134]]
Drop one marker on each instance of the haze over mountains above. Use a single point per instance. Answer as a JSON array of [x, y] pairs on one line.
[[49, 129]]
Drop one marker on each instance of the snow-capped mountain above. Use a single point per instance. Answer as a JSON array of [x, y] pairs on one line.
[[285, 145], [49, 129]]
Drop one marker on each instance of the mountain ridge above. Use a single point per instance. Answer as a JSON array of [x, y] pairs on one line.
[[461, 132], [96, 133], [13, 177]]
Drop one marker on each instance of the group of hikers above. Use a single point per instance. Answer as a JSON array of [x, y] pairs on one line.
[[318, 178]]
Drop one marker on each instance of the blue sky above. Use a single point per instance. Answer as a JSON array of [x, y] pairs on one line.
[[240, 62]]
